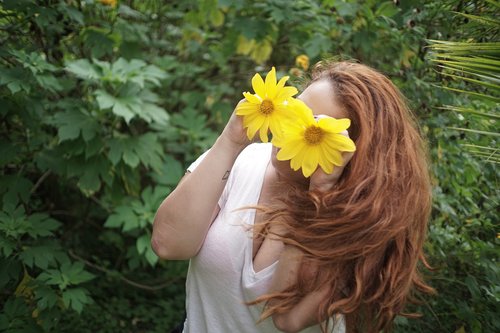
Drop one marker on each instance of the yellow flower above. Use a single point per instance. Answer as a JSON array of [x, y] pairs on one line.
[[308, 142], [302, 61], [266, 109], [111, 3]]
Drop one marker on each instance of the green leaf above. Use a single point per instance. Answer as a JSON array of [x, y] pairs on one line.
[[76, 298], [46, 297], [387, 9], [100, 41], [42, 225], [40, 256], [153, 113], [7, 153], [96, 168], [49, 82], [143, 243], [15, 189], [75, 273], [7, 246], [72, 123], [104, 100], [83, 69], [150, 256], [144, 149], [123, 106], [124, 217]]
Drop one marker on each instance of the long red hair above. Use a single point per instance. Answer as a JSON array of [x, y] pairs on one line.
[[364, 237]]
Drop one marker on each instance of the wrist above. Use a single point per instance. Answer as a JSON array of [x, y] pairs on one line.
[[229, 145]]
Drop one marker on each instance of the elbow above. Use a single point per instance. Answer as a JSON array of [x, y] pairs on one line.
[[285, 324], [161, 251], [165, 245]]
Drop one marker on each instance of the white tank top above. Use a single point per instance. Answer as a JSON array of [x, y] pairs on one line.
[[221, 277]]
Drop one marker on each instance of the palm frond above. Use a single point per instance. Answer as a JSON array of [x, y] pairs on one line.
[[493, 86], [475, 131], [473, 93], [494, 3], [471, 111], [485, 75], [480, 19], [477, 66]]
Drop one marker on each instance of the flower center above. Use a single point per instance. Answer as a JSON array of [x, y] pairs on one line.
[[266, 107], [313, 135]]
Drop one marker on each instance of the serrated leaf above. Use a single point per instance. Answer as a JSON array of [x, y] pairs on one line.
[[75, 299], [46, 297], [143, 243], [49, 82], [104, 100], [41, 225], [387, 9], [95, 170], [72, 123], [83, 69], [153, 113], [39, 255], [150, 256], [76, 273], [144, 149], [120, 216], [15, 189], [7, 246], [126, 107], [130, 158]]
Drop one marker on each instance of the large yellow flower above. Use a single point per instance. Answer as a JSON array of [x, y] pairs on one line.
[[266, 109], [308, 142]]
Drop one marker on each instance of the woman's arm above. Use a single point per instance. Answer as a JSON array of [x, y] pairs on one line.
[[305, 313], [184, 217]]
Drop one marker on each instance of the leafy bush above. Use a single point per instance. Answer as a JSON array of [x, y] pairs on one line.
[[104, 104]]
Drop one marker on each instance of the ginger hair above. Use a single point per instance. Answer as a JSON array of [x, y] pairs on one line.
[[364, 237]]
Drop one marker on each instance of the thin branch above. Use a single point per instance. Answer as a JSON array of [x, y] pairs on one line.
[[121, 277], [40, 181]]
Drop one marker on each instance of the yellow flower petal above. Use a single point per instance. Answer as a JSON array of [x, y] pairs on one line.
[[285, 93], [334, 125], [270, 83], [252, 98], [263, 130], [310, 162], [334, 157], [325, 164], [258, 86], [253, 126], [289, 151], [341, 142], [296, 163], [281, 82], [246, 108]]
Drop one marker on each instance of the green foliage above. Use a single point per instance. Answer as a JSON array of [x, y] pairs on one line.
[[103, 107], [476, 63]]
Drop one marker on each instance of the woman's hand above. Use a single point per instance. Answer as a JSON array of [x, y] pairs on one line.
[[323, 181], [234, 132]]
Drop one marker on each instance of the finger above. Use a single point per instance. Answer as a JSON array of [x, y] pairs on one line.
[[346, 157]]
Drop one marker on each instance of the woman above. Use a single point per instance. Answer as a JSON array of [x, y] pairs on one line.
[[334, 251]]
